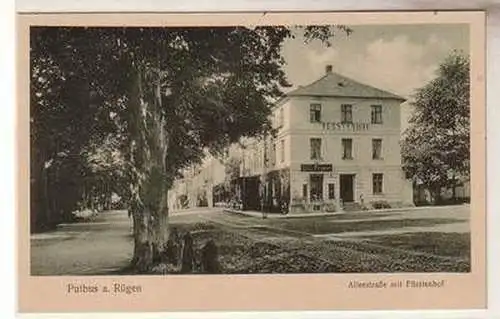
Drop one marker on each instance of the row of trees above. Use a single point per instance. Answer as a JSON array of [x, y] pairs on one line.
[[124, 110], [130, 107]]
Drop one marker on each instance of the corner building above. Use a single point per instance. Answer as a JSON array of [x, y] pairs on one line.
[[338, 144]]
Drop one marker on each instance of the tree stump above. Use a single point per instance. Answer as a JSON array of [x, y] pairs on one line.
[[187, 254], [210, 258], [157, 254], [172, 248], [170, 255]]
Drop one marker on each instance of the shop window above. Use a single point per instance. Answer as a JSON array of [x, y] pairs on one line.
[[331, 191], [316, 187]]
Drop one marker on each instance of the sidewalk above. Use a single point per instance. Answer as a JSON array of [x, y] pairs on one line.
[[192, 211], [274, 215], [372, 211]]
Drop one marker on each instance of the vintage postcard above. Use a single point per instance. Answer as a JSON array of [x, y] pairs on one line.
[[260, 161]]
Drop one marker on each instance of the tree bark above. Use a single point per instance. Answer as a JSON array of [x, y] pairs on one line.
[[150, 176], [142, 245]]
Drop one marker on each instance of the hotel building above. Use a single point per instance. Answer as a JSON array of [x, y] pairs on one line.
[[337, 145]]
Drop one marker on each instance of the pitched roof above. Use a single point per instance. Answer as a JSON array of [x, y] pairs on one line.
[[336, 85]]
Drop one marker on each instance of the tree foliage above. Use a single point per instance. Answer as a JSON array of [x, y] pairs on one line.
[[135, 106], [436, 146]]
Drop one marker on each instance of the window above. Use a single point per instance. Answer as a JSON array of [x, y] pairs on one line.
[[315, 113], [346, 113], [281, 117], [378, 180], [376, 114], [347, 148], [282, 150], [273, 154], [377, 148], [304, 191], [331, 191], [315, 148]]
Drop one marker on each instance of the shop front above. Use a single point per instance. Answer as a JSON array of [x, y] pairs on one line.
[[269, 193], [314, 188]]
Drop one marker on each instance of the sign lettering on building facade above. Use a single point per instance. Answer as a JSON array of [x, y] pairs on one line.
[[316, 167], [333, 126]]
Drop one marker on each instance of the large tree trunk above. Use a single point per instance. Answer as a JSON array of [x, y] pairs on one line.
[[150, 176], [160, 227], [142, 246]]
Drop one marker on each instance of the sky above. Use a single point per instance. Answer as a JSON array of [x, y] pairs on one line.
[[396, 58]]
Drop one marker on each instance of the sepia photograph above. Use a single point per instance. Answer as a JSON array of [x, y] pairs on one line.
[[311, 161], [249, 150]]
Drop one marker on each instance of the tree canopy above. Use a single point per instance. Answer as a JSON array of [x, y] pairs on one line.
[[436, 145], [159, 97]]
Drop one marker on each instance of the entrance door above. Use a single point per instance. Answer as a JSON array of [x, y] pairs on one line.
[[316, 187], [250, 193], [347, 187]]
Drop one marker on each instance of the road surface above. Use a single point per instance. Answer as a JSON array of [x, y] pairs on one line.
[[99, 247], [106, 244], [84, 248]]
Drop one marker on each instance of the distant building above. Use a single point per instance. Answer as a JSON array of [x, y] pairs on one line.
[[460, 193], [196, 188]]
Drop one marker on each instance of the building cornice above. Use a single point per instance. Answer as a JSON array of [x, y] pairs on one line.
[[333, 96], [320, 132]]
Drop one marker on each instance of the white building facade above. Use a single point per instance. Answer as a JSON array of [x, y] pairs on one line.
[[339, 142], [196, 188]]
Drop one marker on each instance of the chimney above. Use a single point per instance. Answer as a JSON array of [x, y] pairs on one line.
[[328, 69]]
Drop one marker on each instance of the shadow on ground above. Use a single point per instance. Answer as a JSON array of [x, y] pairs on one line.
[[443, 244], [330, 226]]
